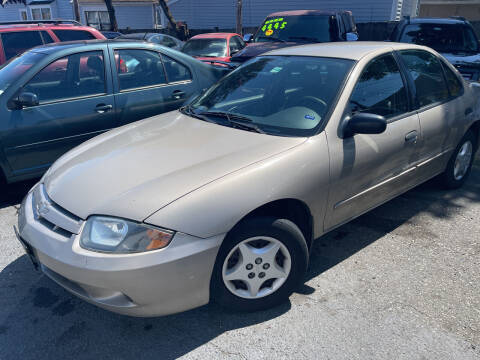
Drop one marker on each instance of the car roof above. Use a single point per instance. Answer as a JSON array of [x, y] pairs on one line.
[[353, 50], [54, 47], [214, 35], [436, 21], [29, 27], [306, 12]]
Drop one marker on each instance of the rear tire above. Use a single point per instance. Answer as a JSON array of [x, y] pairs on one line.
[[259, 264], [460, 164]]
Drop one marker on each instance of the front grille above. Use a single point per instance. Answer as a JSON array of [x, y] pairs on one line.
[[52, 216]]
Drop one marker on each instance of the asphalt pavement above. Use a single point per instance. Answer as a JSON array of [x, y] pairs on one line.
[[401, 282]]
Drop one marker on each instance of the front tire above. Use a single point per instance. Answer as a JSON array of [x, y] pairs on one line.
[[259, 264], [460, 164]]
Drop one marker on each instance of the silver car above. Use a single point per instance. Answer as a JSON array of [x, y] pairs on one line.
[[223, 199]]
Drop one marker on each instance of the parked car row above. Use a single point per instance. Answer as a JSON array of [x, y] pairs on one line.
[[223, 199]]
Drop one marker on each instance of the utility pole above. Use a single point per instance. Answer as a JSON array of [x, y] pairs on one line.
[[239, 17]]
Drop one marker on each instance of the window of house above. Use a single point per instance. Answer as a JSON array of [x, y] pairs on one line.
[[15, 43], [380, 89], [41, 13], [139, 68], [72, 35], [427, 74], [23, 15], [98, 19]]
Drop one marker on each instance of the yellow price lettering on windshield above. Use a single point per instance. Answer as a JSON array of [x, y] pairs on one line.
[[271, 24]]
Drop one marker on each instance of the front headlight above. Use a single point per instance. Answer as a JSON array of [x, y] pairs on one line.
[[120, 236]]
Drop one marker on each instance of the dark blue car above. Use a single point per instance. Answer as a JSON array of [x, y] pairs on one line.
[[56, 96]]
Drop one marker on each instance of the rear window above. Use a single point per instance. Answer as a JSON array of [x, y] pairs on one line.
[[441, 37], [15, 43], [72, 35]]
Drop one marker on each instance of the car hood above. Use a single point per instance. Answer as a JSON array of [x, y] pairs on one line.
[[135, 170], [463, 59], [255, 49]]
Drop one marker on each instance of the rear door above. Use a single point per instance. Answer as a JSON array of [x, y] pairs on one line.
[[440, 110], [75, 103], [367, 170], [148, 83]]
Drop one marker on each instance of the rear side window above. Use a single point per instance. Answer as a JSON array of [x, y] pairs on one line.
[[15, 43], [455, 86], [175, 70], [427, 74], [72, 35], [139, 68], [380, 89], [69, 77], [47, 39]]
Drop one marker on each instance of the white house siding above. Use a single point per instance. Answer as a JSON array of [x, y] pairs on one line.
[[207, 14], [11, 12]]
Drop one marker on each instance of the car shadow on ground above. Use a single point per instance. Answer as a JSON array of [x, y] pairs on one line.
[[40, 320], [12, 194]]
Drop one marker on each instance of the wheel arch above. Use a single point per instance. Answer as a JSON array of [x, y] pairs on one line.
[[292, 209]]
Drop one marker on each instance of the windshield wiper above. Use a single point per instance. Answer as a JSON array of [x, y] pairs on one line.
[[188, 110], [237, 121], [306, 38], [271, 38]]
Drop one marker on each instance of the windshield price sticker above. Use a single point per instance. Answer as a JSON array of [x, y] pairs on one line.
[[273, 24]]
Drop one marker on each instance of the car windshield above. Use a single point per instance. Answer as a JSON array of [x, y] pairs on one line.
[[206, 47], [307, 28], [278, 95], [441, 37], [12, 70]]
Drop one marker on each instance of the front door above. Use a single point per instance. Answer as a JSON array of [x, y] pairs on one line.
[[75, 104], [149, 83], [367, 170]]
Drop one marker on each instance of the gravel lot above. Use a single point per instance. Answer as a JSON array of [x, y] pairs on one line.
[[401, 282]]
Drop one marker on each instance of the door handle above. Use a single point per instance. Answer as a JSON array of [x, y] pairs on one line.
[[103, 108], [178, 94], [411, 137], [468, 111]]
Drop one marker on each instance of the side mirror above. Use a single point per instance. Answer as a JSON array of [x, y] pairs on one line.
[[247, 37], [352, 36], [364, 123], [26, 99]]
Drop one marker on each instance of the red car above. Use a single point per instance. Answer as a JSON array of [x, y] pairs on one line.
[[213, 47], [18, 36]]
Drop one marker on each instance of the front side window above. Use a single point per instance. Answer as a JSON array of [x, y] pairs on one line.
[[235, 45], [455, 86], [427, 74], [15, 43], [175, 70], [42, 13], [380, 89], [73, 35], [441, 37], [282, 95], [206, 47], [297, 28], [139, 68], [72, 76]]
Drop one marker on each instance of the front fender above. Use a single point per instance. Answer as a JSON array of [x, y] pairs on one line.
[[300, 173]]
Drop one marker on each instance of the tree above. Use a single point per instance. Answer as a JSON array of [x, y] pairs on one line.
[[111, 15], [180, 31]]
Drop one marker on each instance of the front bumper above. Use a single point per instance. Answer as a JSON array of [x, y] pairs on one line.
[[154, 283]]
